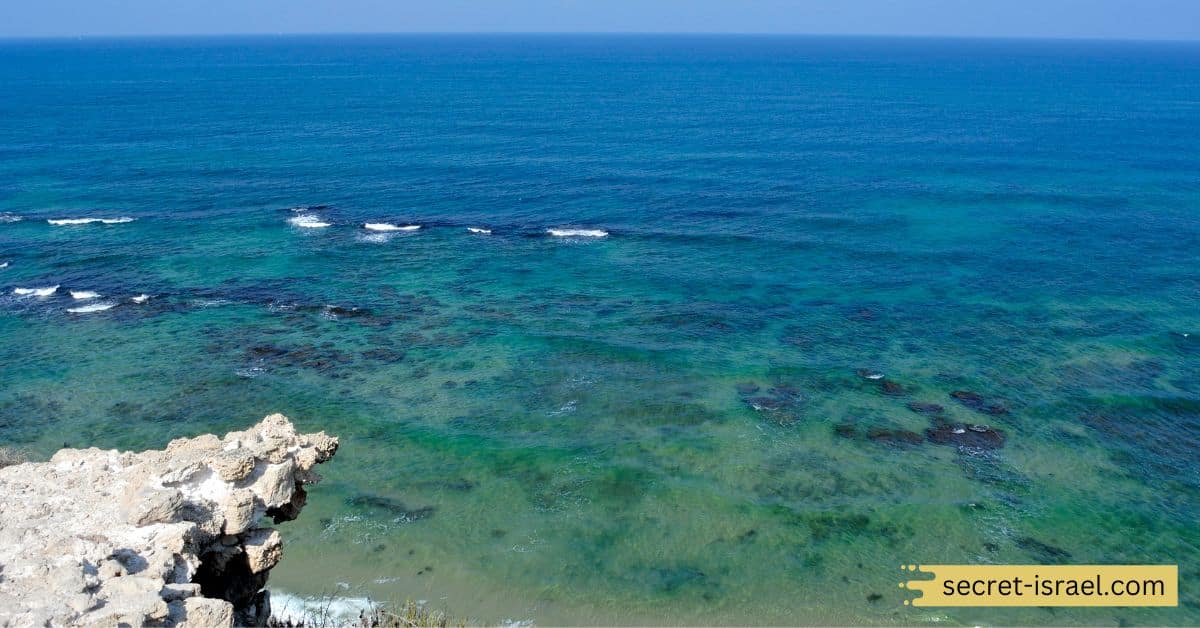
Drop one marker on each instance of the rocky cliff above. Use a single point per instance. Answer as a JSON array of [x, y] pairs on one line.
[[172, 537]]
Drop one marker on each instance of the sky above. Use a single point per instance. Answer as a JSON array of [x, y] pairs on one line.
[[1102, 19]]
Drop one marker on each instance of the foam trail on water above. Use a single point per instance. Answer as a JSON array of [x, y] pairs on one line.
[[317, 611], [577, 233], [37, 292], [7, 217], [141, 298], [308, 221], [478, 230], [381, 226], [94, 307], [80, 295], [85, 221]]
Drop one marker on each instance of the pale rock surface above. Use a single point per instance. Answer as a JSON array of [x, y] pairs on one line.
[[166, 538]]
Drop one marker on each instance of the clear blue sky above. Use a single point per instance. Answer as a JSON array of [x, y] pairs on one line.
[[1123, 19]]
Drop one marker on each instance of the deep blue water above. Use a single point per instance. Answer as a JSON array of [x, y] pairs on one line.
[[671, 423]]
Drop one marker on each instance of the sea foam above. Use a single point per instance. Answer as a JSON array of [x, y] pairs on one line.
[[317, 611], [308, 221], [37, 292], [577, 233], [80, 295], [7, 217], [383, 226], [3, 265], [85, 221], [93, 307], [141, 298], [479, 230]]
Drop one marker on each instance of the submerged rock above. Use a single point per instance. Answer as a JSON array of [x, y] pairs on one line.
[[976, 402], [393, 507], [966, 435], [1044, 552], [168, 537], [747, 388], [383, 354], [922, 407], [882, 435], [894, 437], [869, 374], [845, 430], [782, 402]]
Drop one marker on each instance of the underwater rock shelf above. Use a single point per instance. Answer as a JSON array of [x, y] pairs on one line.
[[169, 537]]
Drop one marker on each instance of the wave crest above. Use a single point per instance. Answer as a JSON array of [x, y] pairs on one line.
[[308, 221], [93, 307], [385, 226], [85, 221], [36, 292], [577, 233]]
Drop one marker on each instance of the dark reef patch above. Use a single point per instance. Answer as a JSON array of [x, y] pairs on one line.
[[869, 374], [383, 355], [1154, 437], [24, 417], [891, 437], [747, 388], [966, 435], [390, 506], [782, 403], [987, 467], [1044, 552], [978, 403], [673, 579]]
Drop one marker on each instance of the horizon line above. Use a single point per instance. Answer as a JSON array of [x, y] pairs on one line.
[[111, 36]]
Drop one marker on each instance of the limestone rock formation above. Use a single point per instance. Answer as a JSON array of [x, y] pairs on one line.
[[168, 537]]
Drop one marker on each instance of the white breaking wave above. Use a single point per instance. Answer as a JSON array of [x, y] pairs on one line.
[[4, 265], [380, 226], [577, 233], [85, 221], [384, 226], [478, 230], [94, 307], [141, 298], [308, 221], [80, 295], [37, 292], [318, 611]]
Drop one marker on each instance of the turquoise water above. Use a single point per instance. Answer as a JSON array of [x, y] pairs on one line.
[[677, 422]]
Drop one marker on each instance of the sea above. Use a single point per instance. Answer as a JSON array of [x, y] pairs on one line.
[[631, 329]]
